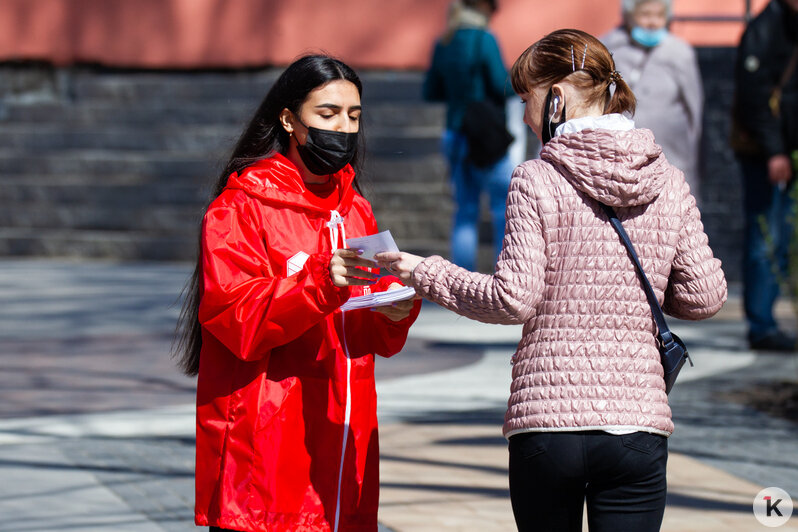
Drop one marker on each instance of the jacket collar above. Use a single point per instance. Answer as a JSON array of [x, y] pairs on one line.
[[612, 122], [276, 180]]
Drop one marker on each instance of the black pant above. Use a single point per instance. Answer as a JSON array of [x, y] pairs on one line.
[[621, 477]]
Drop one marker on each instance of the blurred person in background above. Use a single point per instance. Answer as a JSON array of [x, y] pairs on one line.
[[662, 70], [466, 67], [765, 140], [588, 418], [286, 402]]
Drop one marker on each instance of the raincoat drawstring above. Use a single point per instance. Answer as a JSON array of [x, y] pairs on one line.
[[336, 221]]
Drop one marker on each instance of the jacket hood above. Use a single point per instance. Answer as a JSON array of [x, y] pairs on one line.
[[617, 168], [277, 181]]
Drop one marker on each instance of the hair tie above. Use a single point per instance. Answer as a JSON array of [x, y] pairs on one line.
[[615, 76]]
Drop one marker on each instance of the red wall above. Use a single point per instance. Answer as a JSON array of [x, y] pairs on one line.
[[237, 33]]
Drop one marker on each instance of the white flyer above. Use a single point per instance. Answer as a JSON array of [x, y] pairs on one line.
[[379, 299], [373, 244]]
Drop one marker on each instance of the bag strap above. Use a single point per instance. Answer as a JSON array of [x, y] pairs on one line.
[[477, 55], [665, 336]]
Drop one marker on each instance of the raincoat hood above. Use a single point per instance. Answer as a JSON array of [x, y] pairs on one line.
[[615, 167]]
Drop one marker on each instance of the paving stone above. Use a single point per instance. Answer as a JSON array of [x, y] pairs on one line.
[[87, 443]]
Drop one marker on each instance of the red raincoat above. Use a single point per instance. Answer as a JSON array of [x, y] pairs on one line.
[[286, 405]]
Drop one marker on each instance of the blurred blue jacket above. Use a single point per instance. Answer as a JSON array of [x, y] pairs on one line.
[[467, 68]]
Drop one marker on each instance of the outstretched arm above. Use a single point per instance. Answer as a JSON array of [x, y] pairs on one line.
[[512, 293]]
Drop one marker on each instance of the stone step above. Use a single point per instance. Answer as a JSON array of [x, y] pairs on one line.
[[196, 86], [149, 165], [114, 245], [415, 143], [86, 191], [385, 114], [408, 170], [158, 219], [52, 138], [415, 200], [404, 114], [148, 113], [120, 87], [396, 165], [199, 142], [201, 139]]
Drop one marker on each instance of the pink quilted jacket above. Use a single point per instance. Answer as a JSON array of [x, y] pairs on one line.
[[588, 358]]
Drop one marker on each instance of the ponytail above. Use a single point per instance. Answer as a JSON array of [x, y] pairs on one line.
[[623, 99]]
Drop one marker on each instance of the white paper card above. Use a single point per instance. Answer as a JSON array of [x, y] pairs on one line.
[[379, 299], [373, 244]]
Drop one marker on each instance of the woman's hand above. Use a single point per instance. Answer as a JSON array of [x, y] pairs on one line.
[[346, 269], [399, 263], [398, 310]]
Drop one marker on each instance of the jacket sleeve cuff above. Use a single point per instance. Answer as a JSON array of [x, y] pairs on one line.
[[329, 295], [424, 274]]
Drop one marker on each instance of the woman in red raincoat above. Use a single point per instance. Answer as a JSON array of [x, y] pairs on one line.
[[286, 405]]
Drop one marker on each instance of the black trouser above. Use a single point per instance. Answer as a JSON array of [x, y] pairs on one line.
[[622, 478]]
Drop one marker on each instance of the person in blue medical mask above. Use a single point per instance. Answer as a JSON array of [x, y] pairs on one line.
[[662, 70]]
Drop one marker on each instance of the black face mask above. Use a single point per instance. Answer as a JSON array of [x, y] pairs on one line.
[[549, 127], [325, 152]]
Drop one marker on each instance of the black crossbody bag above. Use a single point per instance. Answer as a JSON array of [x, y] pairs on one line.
[[672, 351]]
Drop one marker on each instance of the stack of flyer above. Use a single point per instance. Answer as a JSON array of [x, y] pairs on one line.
[[372, 245], [379, 299]]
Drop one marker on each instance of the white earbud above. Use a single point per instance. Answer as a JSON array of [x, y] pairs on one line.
[[556, 104]]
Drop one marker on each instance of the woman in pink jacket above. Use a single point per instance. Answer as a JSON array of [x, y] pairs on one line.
[[588, 416]]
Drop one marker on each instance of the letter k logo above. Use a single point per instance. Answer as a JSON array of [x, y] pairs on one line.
[[772, 506]]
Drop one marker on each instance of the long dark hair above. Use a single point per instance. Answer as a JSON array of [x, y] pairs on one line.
[[263, 137]]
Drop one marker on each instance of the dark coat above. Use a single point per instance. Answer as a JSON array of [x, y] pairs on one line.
[[765, 50]]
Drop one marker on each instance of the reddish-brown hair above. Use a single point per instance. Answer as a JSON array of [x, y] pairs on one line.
[[581, 58]]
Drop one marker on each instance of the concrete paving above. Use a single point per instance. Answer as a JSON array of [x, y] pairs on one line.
[[96, 424]]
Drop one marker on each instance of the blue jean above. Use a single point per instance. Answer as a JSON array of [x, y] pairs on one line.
[[763, 263], [468, 183]]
